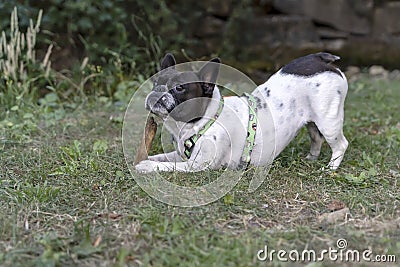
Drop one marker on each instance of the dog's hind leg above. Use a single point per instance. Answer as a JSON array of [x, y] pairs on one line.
[[332, 130], [316, 141]]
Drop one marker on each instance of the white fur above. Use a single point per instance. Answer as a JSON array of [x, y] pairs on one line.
[[319, 99], [292, 100]]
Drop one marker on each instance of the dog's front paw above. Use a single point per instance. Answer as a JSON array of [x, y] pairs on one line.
[[311, 157], [146, 166], [328, 169]]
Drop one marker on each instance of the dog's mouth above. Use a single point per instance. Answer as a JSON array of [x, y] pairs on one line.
[[160, 104], [160, 112], [164, 104]]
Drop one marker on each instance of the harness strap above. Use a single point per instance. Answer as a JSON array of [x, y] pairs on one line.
[[191, 141], [251, 132], [250, 137]]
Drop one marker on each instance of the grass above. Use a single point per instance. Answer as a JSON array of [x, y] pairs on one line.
[[67, 197]]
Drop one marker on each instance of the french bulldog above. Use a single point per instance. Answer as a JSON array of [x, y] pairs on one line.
[[309, 91]]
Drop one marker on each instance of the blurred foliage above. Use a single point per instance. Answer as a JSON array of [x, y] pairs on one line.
[[101, 51], [99, 46], [97, 29], [22, 75], [86, 52]]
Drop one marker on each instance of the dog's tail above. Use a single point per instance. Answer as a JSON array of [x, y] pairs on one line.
[[326, 57]]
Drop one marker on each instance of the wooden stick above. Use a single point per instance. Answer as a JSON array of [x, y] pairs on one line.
[[147, 140]]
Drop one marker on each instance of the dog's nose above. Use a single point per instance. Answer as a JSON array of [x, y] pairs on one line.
[[164, 102], [156, 100]]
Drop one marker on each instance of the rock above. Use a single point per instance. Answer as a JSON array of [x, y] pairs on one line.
[[220, 8], [352, 71], [337, 13], [275, 31], [267, 38], [334, 45], [263, 7], [394, 75], [256, 35], [378, 71], [329, 33], [365, 51], [386, 19], [362, 8]]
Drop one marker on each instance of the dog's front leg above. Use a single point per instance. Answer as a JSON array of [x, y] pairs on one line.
[[202, 158], [148, 166], [165, 157]]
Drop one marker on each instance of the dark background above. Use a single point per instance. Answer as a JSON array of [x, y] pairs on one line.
[[256, 36]]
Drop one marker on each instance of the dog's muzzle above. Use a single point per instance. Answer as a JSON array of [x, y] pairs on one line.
[[160, 103]]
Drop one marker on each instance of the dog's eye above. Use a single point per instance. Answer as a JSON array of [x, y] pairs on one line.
[[179, 88]]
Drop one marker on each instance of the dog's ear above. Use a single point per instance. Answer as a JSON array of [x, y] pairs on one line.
[[208, 74], [168, 61]]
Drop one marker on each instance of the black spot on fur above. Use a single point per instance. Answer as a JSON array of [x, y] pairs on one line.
[[265, 105], [281, 105], [258, 101], [215, 138], [311, 65], [339, 93], [268, 91], [318, 84]]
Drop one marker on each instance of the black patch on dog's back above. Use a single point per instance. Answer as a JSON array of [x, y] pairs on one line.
[[311, 65]]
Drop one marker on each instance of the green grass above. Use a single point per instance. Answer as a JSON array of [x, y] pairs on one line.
[[67, 197]]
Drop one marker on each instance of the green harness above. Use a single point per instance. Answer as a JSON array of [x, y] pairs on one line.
[[251, 131], [191, 141]]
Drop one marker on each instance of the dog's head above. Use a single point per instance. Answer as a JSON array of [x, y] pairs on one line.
[[182, 95]]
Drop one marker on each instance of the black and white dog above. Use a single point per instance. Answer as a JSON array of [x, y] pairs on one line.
[[308, 91]]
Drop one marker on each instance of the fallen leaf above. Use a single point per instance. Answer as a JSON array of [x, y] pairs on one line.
[[112, 216], [97, 241], [333, 217], [129, 258], [336, 205]]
